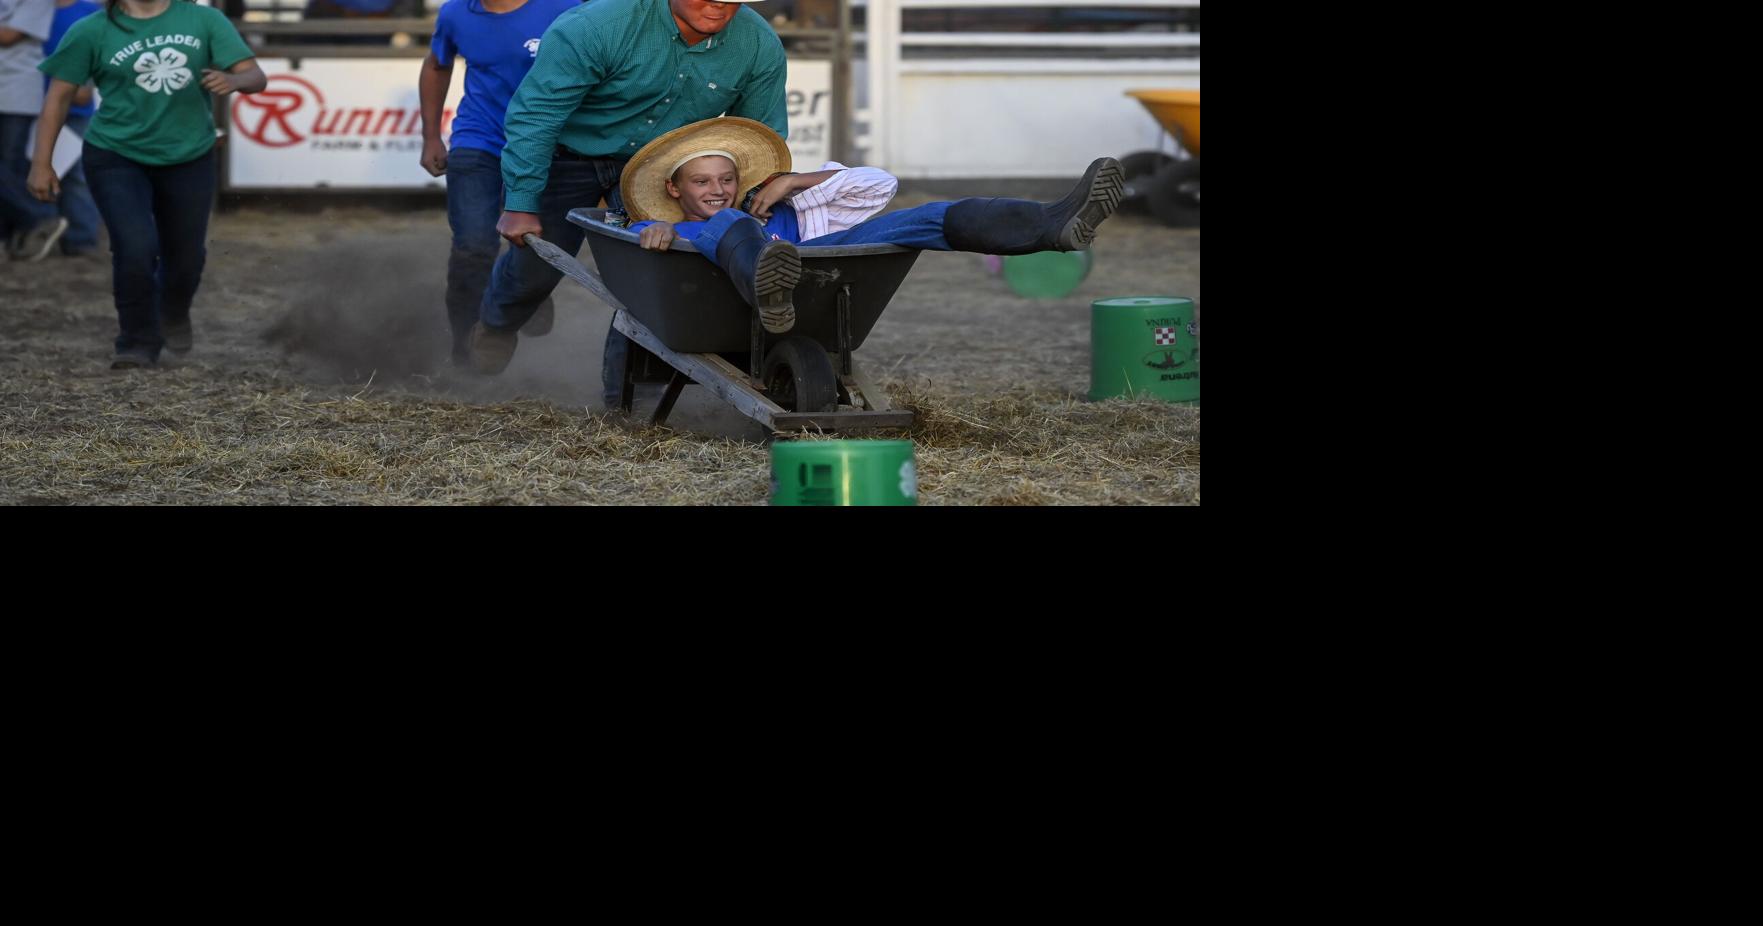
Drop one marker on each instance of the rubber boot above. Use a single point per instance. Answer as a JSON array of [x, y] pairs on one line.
[[1019, 226], [765, 272]]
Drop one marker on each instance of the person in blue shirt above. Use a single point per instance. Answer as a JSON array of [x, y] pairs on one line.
[[498, 40], [76, 202]]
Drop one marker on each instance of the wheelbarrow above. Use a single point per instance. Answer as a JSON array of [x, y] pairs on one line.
[[689, 326], [1168, 186]]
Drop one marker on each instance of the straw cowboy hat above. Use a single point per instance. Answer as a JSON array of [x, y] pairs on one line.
[[757, 151]]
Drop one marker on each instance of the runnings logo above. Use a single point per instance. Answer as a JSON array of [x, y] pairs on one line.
[[291, 110]]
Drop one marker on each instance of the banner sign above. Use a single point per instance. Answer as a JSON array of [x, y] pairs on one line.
[[356, 123]]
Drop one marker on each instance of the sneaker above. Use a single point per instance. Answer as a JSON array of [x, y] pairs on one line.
[[543, 318], [1094, 199], [36, 244], [775, 275], [132, 359], [491, 349], [178, 336]]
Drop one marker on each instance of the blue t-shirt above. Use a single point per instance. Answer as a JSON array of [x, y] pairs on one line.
[[782, 225], [65, 17], [499, 49]]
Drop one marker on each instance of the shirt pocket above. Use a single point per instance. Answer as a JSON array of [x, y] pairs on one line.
[[709, 96]]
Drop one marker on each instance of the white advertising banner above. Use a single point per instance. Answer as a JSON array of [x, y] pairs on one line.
[[335, 122], [340, 123], [808, 100]]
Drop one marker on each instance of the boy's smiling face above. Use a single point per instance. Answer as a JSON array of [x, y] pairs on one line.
[[704, 186]]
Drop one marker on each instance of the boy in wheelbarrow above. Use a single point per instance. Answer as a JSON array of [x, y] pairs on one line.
[[725, 185]]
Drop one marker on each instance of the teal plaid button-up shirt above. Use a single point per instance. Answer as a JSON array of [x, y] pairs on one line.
[[611, 75]]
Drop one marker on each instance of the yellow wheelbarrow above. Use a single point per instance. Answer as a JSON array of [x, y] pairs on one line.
[[1165, 185]]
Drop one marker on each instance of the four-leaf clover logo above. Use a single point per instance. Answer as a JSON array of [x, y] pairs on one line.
[[164, 71]]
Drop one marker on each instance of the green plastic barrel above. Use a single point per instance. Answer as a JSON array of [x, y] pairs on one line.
[[1145, 345], [843, 472], [1047, 274]]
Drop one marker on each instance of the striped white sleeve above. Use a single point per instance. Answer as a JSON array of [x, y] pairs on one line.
[[846, 199]]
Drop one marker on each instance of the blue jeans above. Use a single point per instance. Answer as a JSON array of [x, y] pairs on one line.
[[474, 203], [18, 208], [76, 201], [158, 222], [521, 279], [919, 227]]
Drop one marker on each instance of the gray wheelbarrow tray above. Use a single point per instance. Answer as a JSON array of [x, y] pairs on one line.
[[690, 326]]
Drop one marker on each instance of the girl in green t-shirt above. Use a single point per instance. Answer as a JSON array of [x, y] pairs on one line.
[[149, 152]]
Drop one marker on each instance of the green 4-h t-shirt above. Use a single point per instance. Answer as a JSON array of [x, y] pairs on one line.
[[149, 74]]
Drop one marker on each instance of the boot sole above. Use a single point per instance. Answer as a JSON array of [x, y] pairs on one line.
[[1107, 186], [775, 276]]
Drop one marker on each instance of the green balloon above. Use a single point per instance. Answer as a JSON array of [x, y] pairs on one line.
[[1047, 274]]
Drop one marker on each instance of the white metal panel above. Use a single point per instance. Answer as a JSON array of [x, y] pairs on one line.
[[1022, 125], [1073, 40], [1050, 66]]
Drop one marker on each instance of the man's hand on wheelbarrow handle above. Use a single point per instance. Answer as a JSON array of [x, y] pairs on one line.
[[515, 226]]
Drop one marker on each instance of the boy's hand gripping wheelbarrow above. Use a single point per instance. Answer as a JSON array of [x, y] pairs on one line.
[[689, 325]]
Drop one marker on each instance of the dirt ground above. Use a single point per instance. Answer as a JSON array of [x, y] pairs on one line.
[[319, 377]]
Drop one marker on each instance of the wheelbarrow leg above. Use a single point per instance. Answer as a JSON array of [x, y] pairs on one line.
[[756, 351], [845, 330], [674, 387], [628, 390]]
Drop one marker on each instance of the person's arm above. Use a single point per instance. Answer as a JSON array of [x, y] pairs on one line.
[[785, 187], [43, 183], [27, 23], [857, 189], [431, 87], [83, 96], [566, 69], [244, 77], [848, 198], [762, 97], [241, 75]]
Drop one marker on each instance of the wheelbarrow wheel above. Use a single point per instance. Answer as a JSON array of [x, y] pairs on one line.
[[1138, 168], [799, 375], [1175, 194]]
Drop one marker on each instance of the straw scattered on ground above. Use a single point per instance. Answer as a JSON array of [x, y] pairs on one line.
[[319, 378]]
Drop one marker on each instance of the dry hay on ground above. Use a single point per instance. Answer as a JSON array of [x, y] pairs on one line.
[[318, 380]]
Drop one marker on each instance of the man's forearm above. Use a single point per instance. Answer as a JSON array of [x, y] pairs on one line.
[[560, 79], [532, 129], [431, 88]]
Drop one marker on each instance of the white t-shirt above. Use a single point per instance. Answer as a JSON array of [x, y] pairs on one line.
[[21, 84]]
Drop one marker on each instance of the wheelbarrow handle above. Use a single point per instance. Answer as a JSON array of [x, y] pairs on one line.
[[572, 268]]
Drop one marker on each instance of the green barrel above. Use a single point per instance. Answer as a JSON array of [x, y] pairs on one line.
[[1046, 274], [843, 472], [1145, 345]]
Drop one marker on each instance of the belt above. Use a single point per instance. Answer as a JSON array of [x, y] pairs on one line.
[[564, 154]]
